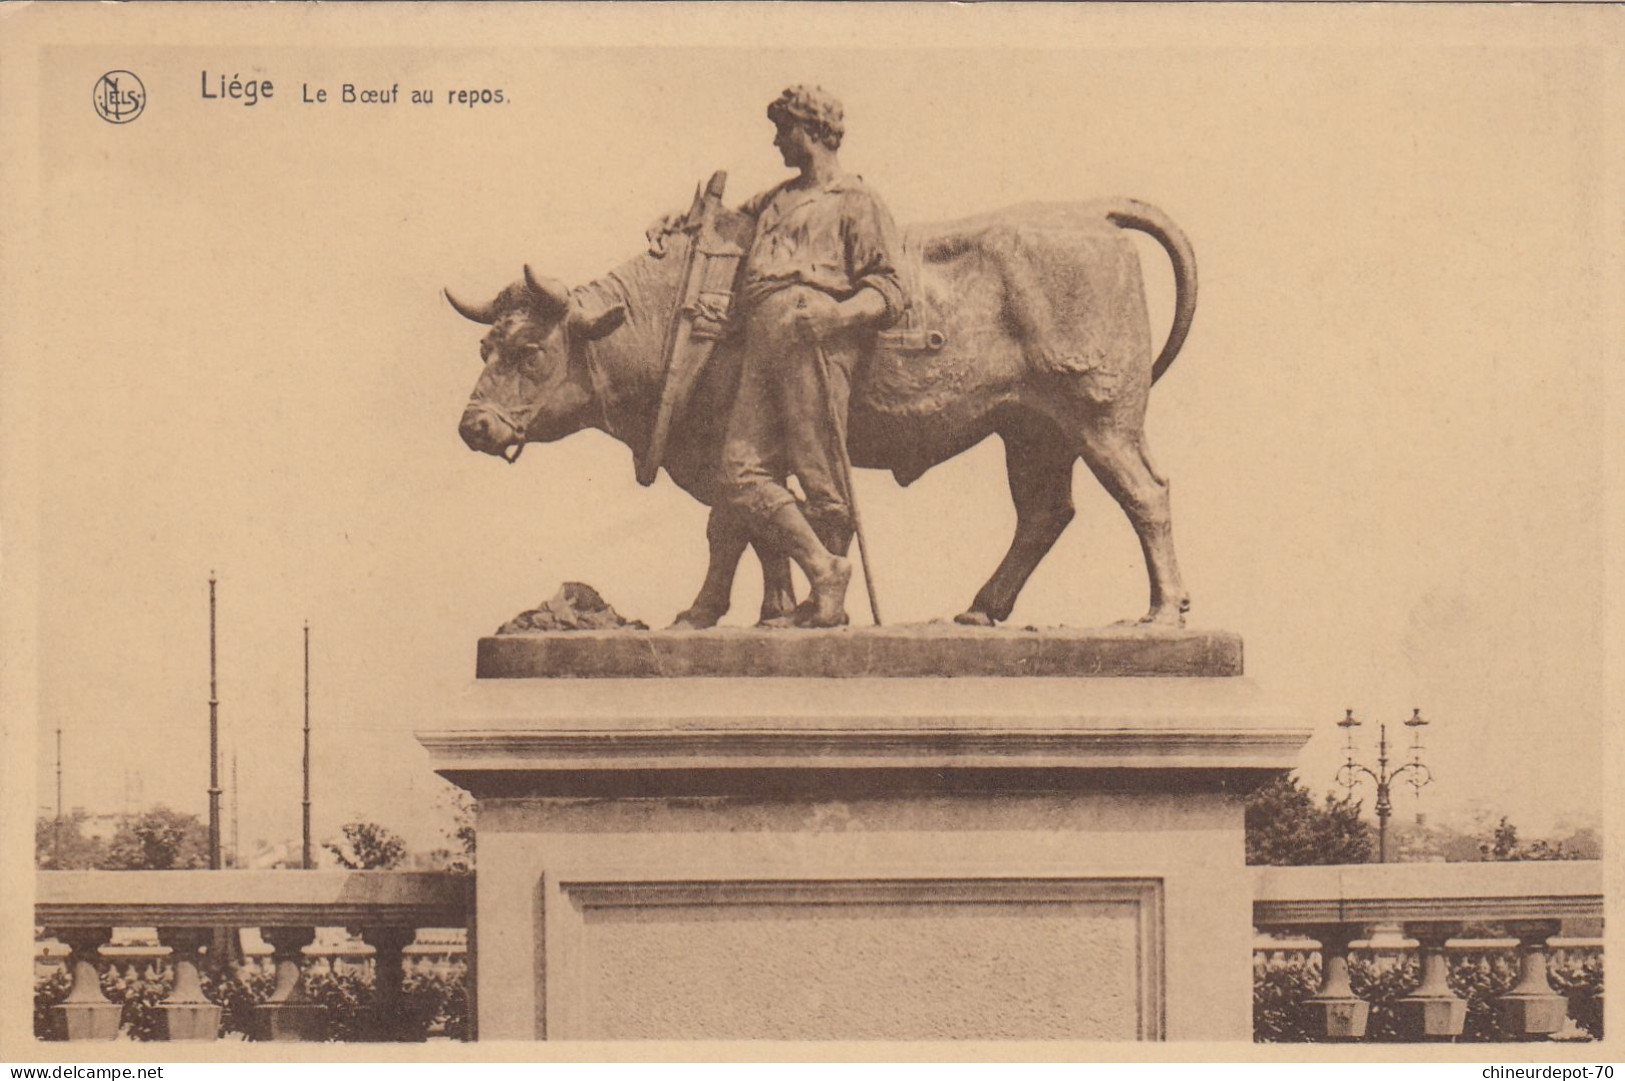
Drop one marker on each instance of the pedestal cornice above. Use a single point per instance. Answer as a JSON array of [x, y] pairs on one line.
[[988, 727]]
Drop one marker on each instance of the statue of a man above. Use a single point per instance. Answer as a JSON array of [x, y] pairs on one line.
[[819, 280]]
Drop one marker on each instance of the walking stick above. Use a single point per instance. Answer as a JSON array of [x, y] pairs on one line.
[[846, 476]]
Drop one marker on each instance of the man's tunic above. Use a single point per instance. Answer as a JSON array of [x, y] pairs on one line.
[[837, 239]]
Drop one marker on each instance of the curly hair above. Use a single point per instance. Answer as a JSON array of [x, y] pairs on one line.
[[814, 108]]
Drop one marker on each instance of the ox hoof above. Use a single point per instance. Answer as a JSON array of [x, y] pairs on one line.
[[973, 618], [692, 620], [780, 619]]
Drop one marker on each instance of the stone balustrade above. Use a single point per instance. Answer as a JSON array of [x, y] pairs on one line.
[[191, 910], [1516, 925], [1427, 910]]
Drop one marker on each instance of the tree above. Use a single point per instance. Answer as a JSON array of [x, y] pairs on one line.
[[1503, 844], [1285, 827], [159, 840], [367, 846], [77, 852], [462, 834]]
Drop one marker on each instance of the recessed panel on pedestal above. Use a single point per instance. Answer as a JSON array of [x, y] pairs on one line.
[[914, 959]]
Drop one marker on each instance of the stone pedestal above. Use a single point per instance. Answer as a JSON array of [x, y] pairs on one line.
[[863, 858], [1531, 1010], [1433, 1011], [1335, 1011], [186, 1014], [86, 1013], [289, 1013]]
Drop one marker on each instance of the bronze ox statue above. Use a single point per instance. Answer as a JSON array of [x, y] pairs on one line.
[[1038, 332]]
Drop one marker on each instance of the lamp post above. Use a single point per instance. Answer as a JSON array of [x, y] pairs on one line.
[[307, 862], [214, 744], [1349, 773]]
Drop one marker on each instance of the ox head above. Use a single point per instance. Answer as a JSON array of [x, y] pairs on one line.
[[534, 388]]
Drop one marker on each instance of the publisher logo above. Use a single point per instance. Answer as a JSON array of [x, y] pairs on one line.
[[119, 97]]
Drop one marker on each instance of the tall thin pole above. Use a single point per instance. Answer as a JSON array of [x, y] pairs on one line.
[[236, 804], [1385, 805], [56, 831], [214, 743], [308, 862]]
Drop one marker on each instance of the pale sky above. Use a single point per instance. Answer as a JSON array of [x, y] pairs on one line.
[[1385, 433]]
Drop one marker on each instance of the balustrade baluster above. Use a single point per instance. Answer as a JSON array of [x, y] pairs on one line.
[[86, 1013], [1432, 1011], [1531, 1010], [187, 1014], [289, 1013], [388, 1018], [1337, 1013]]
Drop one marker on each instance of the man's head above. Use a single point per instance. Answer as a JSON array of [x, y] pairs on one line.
[[813, 110]]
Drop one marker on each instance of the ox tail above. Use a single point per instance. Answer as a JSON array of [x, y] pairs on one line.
[[1133, 214]]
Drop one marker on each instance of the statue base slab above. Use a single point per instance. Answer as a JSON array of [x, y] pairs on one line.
[[863, 858], [928, 650]]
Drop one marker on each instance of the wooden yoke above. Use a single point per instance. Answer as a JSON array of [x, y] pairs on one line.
[[705, 301]]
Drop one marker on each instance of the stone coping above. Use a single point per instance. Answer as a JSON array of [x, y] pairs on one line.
[[866, 725], [873, 702], [929, 650], [281, 898], [1424, 892], [922, 724], [832, 748]]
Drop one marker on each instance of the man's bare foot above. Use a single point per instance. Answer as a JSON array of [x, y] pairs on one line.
[[829, 596], [1170, 614]]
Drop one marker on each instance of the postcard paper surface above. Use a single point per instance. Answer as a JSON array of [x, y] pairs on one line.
[[1173, 380]]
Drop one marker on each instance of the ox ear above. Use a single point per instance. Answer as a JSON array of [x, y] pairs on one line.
[[550, 296], [591, 327]]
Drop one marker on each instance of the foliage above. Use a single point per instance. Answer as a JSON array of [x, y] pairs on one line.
[[159, 840], [49, 989], [140, 989], [345, 996], [1579, 976], [1504, 845], [1383, 979], [1281, 986], [1415, 843], [1480, 978], [458, 854], [367, 846], [1285, 827], [78, 852], [238, 993], [463, 834], [437, 1001], [433, 1001]]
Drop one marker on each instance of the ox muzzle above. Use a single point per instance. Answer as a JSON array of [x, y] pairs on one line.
[[488, 431]]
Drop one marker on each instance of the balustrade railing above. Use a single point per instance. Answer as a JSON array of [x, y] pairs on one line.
[[1344, 948], [300, 991], [1398, 951]]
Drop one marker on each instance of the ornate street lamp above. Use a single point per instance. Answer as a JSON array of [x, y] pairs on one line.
[[1348, 775]]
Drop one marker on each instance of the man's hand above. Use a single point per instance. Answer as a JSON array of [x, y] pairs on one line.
[[662, 228], [817, 317]]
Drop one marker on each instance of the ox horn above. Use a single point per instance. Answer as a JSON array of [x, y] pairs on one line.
[[486, 314], [551, 295]]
